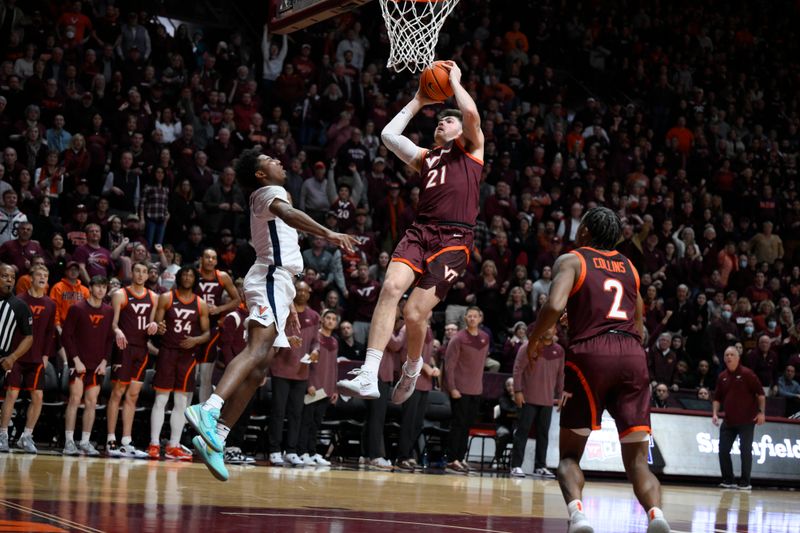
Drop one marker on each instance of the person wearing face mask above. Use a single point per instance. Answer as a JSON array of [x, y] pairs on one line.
[[723, 331], [748, 337]]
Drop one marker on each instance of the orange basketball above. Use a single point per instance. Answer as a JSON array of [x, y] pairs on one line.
[[435, 82]]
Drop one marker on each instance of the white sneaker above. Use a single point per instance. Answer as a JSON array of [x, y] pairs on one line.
[[517, 472], [404, 387], [544, 472], [26, 444], [293, 459], [307, 459], [319, 460], [659, 525], [363, 385], [578, 523], [276, 459], [129, 451], [380, 464], [88, 449]]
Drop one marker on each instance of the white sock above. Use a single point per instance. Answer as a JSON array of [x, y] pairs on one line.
[[413, 366], [176, 419], [157, 417], [654, 513], [222, 431], [3, 431], [575, 506], [85, 437], [69, 436], [213, 402], [111, 437], [126, 441], [28, 432], [372, 361]]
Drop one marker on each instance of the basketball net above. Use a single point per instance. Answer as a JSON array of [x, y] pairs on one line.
[[413, 27]]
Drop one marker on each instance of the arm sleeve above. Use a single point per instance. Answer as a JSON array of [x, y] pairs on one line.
[[392, 136]]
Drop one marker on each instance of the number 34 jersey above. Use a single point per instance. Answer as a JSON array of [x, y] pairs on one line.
[[604, 297], [182, 319]]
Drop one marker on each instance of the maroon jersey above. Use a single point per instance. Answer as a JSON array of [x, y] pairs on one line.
[[604, 298], [134, 315], [211, 290], [44, 328], [183, 320], [86, 333], [232, 339], [451, 180]]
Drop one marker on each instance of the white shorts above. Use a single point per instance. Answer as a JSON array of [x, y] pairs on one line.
[[269, 291]]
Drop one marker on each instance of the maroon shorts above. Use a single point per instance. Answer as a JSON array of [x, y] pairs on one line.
[[608, 371], [26, 376], [90, 378], [207, 353], [438, 253], [174, 370], [131, 365]]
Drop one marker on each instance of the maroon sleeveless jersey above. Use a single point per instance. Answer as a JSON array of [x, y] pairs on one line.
[[135, 315], [451, 180], [183, 320], [604, 297], [211, 290]]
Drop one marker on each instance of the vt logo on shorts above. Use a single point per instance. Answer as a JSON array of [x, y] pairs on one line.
[[450, 274]]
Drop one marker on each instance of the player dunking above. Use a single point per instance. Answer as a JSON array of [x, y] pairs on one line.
[[605, 367], [435, 250], [269, 292]]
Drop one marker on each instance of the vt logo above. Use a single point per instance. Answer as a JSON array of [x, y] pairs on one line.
[[207, 286], [366, 291], [37, 309], [450, 274], [140, 309], [96, 319], [184, 313]]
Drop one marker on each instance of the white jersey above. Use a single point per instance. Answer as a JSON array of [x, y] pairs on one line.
[[9, 224], [276, 243]]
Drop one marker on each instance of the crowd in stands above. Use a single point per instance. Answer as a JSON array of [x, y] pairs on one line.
[[119, 136]]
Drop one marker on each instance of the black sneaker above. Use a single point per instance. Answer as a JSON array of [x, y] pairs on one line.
[[744, 486]]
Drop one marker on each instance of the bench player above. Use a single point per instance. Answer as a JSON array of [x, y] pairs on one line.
[[435, 250], [606, 366]]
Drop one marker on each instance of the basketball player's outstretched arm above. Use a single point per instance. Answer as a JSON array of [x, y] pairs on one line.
[[566, 270], [302, 222], [472, 118], [400, 145]]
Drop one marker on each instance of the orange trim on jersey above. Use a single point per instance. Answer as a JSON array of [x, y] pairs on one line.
[[188, 373], [588, 390], [407, 262], [211, 343], [218, 274], [607, 254], [138, 297], [141, 369], [36, 377], [163, 390], [635, 273], [463, 149], [635, 428], [171, 298], [582, 276], [125, 300], [193, 298], [449, 249]]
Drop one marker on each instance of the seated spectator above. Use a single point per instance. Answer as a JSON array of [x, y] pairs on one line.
[[662, 398], [763, 361]]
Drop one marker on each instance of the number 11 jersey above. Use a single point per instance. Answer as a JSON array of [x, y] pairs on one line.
[[604, 297]]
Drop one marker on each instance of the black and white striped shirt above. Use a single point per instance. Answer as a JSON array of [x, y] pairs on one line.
[[16, 322]]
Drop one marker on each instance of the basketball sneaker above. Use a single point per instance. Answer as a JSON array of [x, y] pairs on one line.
[[380, 464], [293, 459], [363, 385], [544, 472], [88, 449], [307, 460], [578, 523], [130, 452], [154, 451], [276, 459], [517, 472], [204, 422], [25, 443], [70, 448], [725, 485], [319, 460], [658, 525], [214, 461], [234, 456], [178, 453], [4, 443], [404, 387], [112, 450]]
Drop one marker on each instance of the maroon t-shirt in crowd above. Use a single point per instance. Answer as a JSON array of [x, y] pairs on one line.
[[543, 380], [464, 362], [17, 254], [98, 260], [391, 360], [286, 363], [362, 300], [738, 393], [323, 373], [604, 297], [134, 315], [44, 328], [451, 180], [86, 333]]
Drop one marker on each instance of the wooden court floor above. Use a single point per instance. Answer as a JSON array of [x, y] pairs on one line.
[[48, 493]]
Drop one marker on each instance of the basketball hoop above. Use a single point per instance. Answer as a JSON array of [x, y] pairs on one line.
[[413, 27]]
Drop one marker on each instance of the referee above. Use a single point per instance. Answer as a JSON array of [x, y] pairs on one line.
[[16, 332]]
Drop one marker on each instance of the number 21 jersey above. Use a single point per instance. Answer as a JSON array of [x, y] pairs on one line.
[[604, 297], [451, 180]]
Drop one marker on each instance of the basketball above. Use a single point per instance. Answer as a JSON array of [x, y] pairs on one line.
[[435, 82]]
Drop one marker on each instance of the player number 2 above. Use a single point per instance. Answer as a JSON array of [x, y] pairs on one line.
[[615, 311], [440, 173]]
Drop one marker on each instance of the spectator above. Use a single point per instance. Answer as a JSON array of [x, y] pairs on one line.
[[10, 217], [766, 246], [153, 208], [662, 398], [348, 347], [225, 205], [20, 252], [763, 361], [58, 138], [313, 195]]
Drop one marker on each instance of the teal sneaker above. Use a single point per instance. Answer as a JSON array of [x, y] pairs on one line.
[[204, 423], [215, 461]]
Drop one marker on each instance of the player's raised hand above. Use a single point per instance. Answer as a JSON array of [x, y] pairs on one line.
[[423, 99], [342, 240], [454, 70]]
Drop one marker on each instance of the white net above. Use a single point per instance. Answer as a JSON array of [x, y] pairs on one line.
[[413, 27]]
